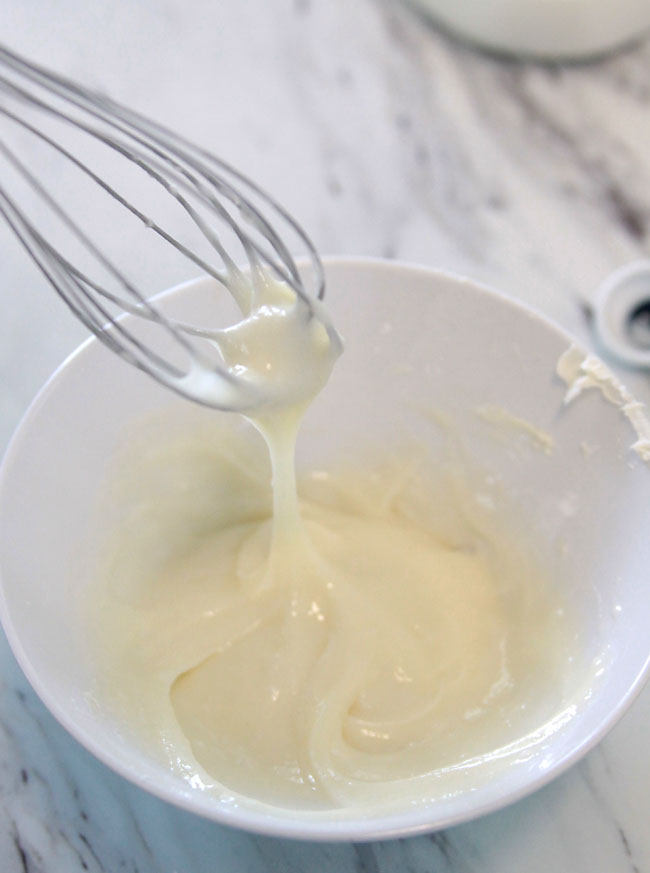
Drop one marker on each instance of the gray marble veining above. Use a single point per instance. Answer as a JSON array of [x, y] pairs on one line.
[[386, 138]]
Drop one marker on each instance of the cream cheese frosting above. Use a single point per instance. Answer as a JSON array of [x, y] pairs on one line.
[[335, 651]]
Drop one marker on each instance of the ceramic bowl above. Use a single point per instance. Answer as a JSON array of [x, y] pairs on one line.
[[418, 342]]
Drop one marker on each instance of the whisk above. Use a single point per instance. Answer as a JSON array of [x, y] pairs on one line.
[[211, 196]]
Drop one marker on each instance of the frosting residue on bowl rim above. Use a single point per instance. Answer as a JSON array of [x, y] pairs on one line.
[[583, 372]]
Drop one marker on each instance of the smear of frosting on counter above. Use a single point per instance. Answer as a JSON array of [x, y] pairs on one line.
[[582, 372]]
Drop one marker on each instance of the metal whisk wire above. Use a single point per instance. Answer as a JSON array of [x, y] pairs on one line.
[[208, 190]]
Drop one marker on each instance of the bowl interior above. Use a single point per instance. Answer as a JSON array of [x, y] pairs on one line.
[[418, 343]]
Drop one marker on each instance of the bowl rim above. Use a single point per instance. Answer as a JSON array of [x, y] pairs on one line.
[[264, 819]]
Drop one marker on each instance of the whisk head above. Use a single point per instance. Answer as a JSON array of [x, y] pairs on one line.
[[55, 133]]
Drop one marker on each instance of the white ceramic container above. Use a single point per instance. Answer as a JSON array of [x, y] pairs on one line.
[[417, 341], [547, 29]]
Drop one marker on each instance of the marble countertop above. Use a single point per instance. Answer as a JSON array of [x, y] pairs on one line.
[[385, 138]]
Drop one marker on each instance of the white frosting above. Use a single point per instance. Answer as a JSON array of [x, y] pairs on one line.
[[359, 658], [583, 372], [277, 357]]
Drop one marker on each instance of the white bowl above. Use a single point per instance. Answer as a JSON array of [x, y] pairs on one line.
[[414, 338]]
